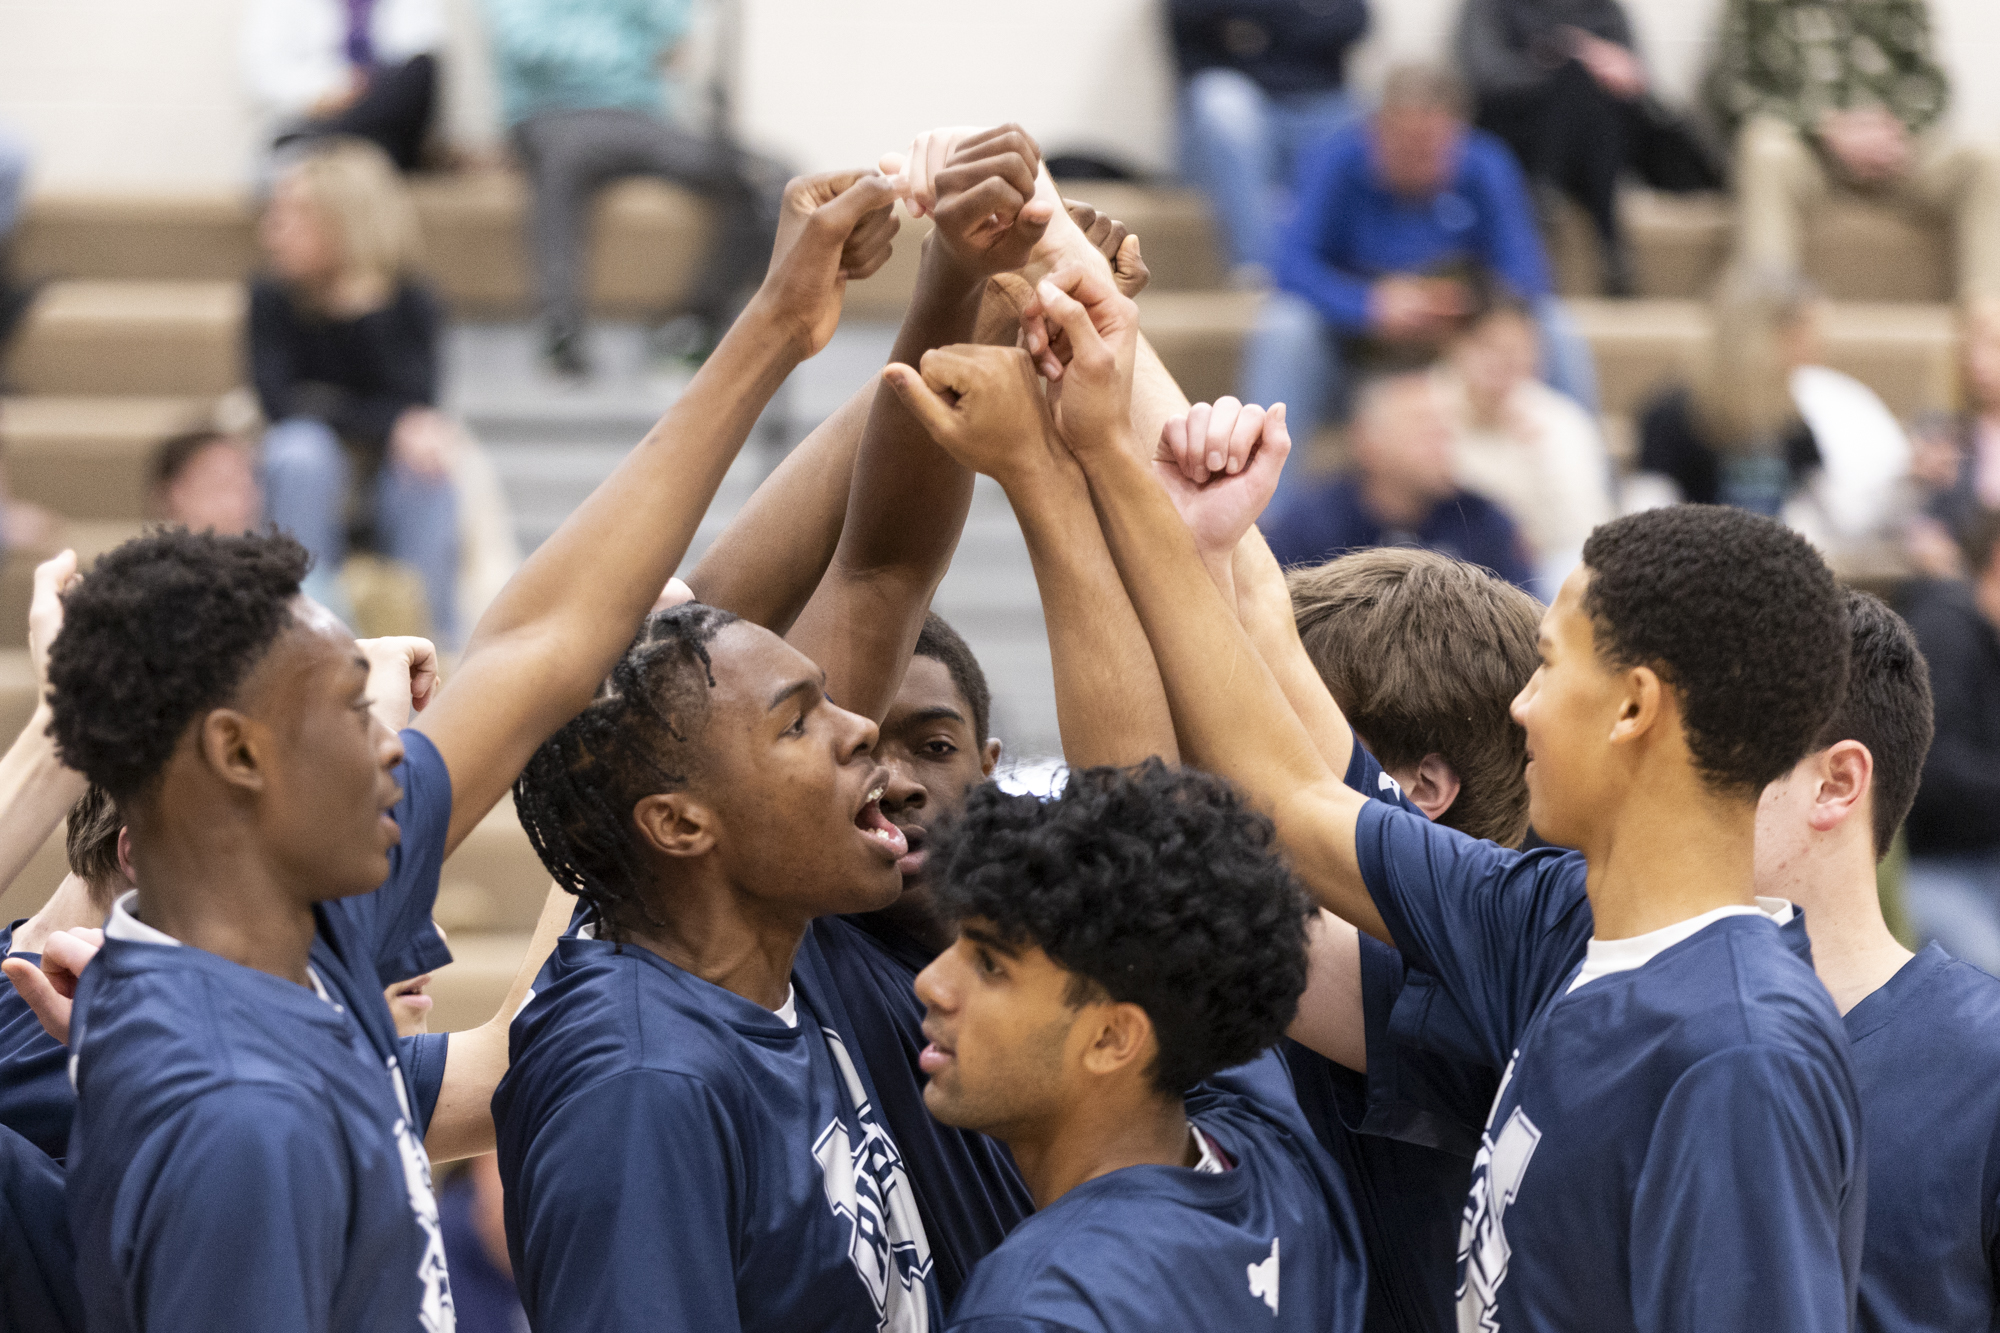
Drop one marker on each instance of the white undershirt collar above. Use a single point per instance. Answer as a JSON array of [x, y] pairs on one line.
[[788, 1012], [1603, 957], [123, 925]]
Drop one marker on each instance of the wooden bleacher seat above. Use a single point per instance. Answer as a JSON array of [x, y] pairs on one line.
[[87, 458], [139, 337]]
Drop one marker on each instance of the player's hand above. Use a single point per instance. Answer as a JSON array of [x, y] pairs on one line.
[[402, 677], [833, 227], [1220, 465], [50, 990], [675, 593], [914, 173], [1115, 241], [1083, 335], [1000, 306], [989, 216], [983, 405], [45, 612]]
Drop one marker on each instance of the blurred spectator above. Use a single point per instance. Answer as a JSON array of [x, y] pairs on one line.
[[1953, 886], [1261, 81], [1392, 213], [15, 296], [1764, 427], [1824, 97], [1398, 490], [1561, 82], [206, 480], [1960, 453], [344, 356], [475, 1250], [365, 68], [1531, 450], [581, 87]]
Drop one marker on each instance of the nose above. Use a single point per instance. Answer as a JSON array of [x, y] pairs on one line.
[[388, 745], [1518, 709], [858, 735], [905, 793], [932, 987]]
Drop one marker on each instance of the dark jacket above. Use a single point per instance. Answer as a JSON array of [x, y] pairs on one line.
[[356, 375], [1285, 46], [1958, 804], [1512, 45], [1672, 444]]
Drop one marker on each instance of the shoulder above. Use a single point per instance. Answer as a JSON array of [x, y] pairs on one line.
[[1488, 160], [1047, 1273], [607, 1011]]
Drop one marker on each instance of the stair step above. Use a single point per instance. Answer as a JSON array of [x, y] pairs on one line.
[[89, 458], [152, 338]]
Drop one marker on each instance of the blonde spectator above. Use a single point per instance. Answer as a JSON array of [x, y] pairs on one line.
[[1529, 449]]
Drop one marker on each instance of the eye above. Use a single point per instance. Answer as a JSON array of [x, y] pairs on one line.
[[798, 727], [987, 965], [937, 749]]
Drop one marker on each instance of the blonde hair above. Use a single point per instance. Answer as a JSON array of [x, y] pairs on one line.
[[1742, 390], [355, 187]]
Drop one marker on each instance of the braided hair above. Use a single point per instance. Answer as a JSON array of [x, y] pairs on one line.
[[636, 738]]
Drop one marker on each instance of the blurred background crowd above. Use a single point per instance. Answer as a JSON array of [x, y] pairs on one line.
[[404, 276]]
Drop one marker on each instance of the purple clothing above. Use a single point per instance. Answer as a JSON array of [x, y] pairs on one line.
[[360, 44]]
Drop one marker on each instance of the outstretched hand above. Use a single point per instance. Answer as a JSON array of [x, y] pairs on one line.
[[1118, 244], [50, 990], [988, 212], [1084, 335], [1220, 466], [832, 227], [402, 677], [983, 406], [45, 612]]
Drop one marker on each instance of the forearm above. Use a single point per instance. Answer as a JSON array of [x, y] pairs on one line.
[[476, 1059], [1264, 608], [766, 564], [1110, 705], [36, 791]]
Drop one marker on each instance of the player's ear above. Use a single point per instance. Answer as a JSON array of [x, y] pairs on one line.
[[1122, 1039], [1846, 771], [1433, 787], [1643, 701], [230, 744], [989, 756], [675, 823]]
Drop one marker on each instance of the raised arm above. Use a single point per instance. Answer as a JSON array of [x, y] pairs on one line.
[[547, 641], [36, 790], [907, 501]]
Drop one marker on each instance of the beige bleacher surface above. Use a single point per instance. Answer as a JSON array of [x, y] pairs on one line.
[[139, 330]]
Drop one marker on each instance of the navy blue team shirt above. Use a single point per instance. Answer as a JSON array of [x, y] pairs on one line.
[[245, 1153], [1271, 1243], [36, 1100], [678, 1157], [1673, 1147]]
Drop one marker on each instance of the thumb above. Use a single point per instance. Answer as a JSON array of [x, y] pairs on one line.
[[924, 403], [844, 212], [1070, 314], [52, 1008]]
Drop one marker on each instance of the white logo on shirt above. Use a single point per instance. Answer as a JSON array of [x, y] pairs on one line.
[[867, 1189], [435, 1312], [1264, 1279], [1390, 785], [1483, 1251]]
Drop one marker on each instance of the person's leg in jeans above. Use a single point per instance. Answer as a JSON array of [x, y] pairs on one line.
[[1955, 900], [417, 520], [306, 476], [1229, 151], [1567, 364], [1293, 358]]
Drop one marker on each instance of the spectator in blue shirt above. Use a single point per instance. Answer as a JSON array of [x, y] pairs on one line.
[[1388, 209], [1399, 491], [1262, 81]]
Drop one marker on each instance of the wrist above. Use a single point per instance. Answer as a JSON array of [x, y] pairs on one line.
[[944, 276], [767, 333]]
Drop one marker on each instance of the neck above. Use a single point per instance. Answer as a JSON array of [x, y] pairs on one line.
[[1833, 881], [1106, 1135], [1671, 851], [208, 884], [1393, 504], [915, 916], [725, 937]]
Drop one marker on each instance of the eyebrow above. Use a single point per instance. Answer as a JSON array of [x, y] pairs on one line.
[[988, 939], [940, 713], [796, 687]]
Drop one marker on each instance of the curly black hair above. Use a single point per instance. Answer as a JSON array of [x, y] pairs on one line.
[[1887, 707], [1157, 886], [637, 737], [160, 631], [1740, 616], [944, 645]]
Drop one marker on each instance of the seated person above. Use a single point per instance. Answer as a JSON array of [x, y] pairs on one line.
[[583, 96], [1125, 952], [1261, 82], [1828, 100], [1400, 489], [344, 352], [366, 68], [1964, 457], [1389, 211], [205, 480], [1533, 451], [1764, 427]]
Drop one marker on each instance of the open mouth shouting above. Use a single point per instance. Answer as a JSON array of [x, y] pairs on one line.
[[872, 822]]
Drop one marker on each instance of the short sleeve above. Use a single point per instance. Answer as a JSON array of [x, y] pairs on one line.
[[1747, 1211], [1500, 930], [423, 1057], [395, 920], [233, 1215], [1367, 776], [622, 1216]]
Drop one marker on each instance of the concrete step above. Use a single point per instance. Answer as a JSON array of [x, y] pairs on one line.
[[135, 337], [89, 458]]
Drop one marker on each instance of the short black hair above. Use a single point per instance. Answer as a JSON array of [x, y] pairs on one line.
[[90, 843], [1887, 707], [1157, 886], [941, 643], [639, 736], [160, 631], [1740, 616], [175, 452]]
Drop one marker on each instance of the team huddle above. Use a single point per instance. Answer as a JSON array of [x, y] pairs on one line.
[[1266, 1019]]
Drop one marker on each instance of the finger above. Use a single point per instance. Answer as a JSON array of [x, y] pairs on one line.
[[1274, 441], [925, 405], [1215, 447], [836, 220], [1011, 167], [966, 198], [1243, 438], [50, 1007], [1133, 274], [1009, 137], [674, 594], [1173, 439], [1199, 416]]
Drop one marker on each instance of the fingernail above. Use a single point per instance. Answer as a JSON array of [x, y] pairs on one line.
[[1215, 462]]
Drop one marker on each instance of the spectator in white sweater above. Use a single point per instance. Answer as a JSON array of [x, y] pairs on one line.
[[365, 68]]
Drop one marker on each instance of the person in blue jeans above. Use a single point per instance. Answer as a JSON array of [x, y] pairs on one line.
[[1398, 491], [1261, 82], [1395, 214], [343, 350]]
